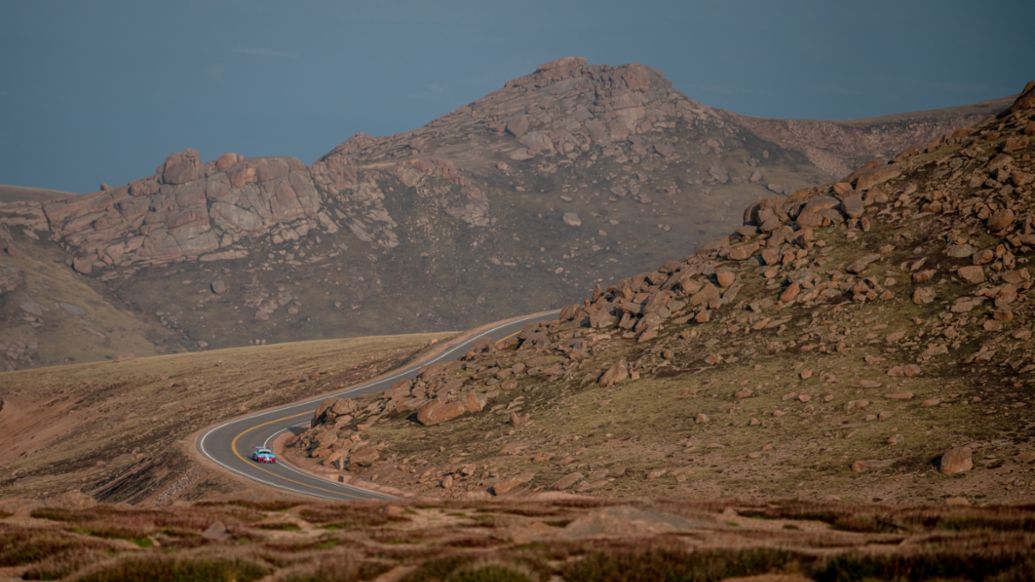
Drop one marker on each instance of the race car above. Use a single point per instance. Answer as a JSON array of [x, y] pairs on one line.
[[263, 455]]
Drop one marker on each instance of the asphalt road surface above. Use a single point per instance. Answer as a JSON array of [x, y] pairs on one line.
[[230, 444]]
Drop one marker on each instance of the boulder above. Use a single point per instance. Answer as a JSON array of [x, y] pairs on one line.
[[518, 420], [853, 206], [601, 315], [216, 532], [923, 295], [438, 411], [966, 304], [842, 189], [505, 486], [616, 374], [363, 456], [343, 406], [708, 296], [790, 293], [972, 274], [1001, 220], [82, 265], [743, 252], [956, 460], [816, 211], [517, 125], [877, 176], [473, 402], [859, 265], [182, 167], [218, 286], [568, 481], [227, 160], [536, 142]]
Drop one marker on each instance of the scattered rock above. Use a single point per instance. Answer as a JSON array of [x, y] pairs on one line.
[[364, 456], [956, 460], [616, 374], [218, 286], [972, 274], [860, 264], [82, 265], [923, 295], [505, 486], [438, 411], [1001, 220], [216, 532], [518, 420], [725, 278], [568, 481]]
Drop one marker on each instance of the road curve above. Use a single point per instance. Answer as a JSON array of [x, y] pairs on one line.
[[229, 444]]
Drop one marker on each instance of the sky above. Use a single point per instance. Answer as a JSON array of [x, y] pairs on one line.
[[98, 91]]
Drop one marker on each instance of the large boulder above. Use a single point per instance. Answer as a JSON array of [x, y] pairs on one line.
[[616, 374], [438, 411], [363, 456], [956, 460], [517, 125], [182, 167]]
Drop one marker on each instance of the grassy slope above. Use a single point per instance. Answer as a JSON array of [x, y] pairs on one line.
[[91, 425], [76, 322], [9, 193]]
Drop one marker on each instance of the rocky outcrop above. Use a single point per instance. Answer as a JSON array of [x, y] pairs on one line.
[[186, 210], [23, 216]]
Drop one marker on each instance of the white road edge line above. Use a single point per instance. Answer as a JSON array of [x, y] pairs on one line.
[[454, 349]]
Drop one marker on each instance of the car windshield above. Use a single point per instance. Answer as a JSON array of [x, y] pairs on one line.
[[263, 452]]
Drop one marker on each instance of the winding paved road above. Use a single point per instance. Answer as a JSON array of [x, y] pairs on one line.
[[230, 444]]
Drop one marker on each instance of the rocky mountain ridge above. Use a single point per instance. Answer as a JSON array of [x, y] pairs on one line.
[[522, 199], [882, 323]]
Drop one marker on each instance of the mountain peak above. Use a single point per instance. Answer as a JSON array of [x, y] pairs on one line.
[[557, 77], [563, 64]]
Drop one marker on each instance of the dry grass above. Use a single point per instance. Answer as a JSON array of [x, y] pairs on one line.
[[10, 193], [69, 318], [516, 541], [106, 420], [807, 451]]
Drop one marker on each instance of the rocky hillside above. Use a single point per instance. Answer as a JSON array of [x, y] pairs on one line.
[[568, 177], [868, 339]]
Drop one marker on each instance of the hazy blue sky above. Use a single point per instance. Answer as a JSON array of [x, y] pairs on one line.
[[95, 91]]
